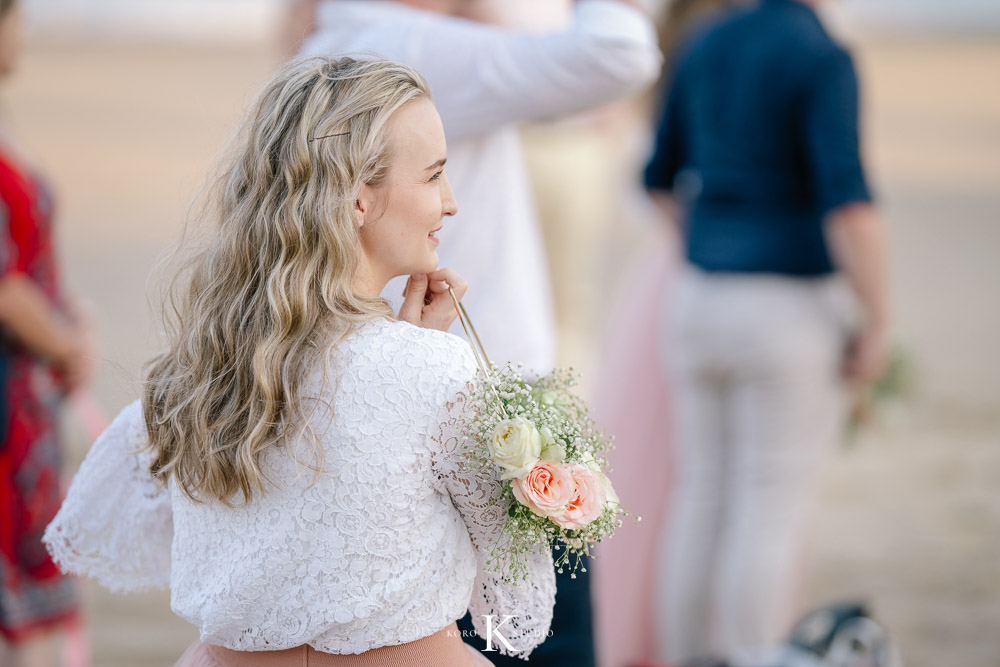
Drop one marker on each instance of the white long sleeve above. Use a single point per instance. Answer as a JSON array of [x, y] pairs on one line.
[[383, 546], [116, 523], [484, 77], [520, 614]]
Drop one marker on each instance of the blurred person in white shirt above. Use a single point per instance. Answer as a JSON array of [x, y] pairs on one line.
[[486, 80]]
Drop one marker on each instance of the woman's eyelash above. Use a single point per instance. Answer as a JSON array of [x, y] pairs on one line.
[[437, 175]]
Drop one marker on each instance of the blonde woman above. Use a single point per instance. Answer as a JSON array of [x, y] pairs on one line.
[[316, 507]]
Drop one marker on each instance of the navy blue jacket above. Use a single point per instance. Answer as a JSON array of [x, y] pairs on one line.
[[759, 140]]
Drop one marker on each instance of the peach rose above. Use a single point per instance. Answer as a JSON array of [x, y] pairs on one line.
[[588, 500], [609, 491], [546, 490]]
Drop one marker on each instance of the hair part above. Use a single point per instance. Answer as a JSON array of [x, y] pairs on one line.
[[258, 306]]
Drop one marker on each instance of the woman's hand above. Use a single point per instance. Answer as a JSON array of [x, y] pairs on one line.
[[81, 362], [67, 340], [426, 300], [867, 356]]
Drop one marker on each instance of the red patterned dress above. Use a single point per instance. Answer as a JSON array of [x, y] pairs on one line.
[[34, 595]]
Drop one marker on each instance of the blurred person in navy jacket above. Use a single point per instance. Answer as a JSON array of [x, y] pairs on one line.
[[780, 309]]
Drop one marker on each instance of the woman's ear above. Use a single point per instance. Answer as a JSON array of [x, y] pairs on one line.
[[364, 203], [359, 213]]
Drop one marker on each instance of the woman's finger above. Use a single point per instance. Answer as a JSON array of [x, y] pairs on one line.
[[440, 312], [413, 299], [451, 278], [439, 286]]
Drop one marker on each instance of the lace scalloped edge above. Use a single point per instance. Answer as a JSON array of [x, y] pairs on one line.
[[116, 582]]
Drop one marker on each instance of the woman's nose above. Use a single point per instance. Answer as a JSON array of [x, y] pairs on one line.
[[448, 204]]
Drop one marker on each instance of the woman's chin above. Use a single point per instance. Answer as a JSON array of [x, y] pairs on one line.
[[419, 268], [431, 264]]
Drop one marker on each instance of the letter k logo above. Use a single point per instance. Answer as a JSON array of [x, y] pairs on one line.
[[491, 632]]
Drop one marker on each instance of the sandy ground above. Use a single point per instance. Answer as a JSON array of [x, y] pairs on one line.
[[910, 518]]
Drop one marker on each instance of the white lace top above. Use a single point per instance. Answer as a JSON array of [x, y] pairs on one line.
[[386, 546]]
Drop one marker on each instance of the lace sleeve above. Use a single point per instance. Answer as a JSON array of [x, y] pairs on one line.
[[116, 523], [517, 617]]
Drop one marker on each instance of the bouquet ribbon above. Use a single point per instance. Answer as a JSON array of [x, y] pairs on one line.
[[485, 365]]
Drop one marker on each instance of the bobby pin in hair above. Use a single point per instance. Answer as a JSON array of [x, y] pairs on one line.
[[327, 136]]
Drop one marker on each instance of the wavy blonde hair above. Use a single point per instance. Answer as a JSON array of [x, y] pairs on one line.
[[252, 311]]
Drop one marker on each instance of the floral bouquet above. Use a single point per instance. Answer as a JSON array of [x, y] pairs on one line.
[[894, 388], [549, 454]]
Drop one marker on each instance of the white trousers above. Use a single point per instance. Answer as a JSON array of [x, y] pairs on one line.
[[759, 402]]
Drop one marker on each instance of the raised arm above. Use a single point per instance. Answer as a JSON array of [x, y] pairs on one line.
[[298, 24], [516, 617], [116, 524], [484, 77]]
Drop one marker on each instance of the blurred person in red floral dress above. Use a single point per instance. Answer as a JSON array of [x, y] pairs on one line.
[[46, 351]]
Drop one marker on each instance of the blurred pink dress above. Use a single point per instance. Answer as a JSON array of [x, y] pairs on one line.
[[631, 402]]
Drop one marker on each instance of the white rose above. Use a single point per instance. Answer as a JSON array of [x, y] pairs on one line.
[[554, 454], [613, 500], [516, 446], [551, 399], [552, 451], [588, 460]]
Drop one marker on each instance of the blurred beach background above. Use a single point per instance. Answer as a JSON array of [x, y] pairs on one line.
[[128, 103]]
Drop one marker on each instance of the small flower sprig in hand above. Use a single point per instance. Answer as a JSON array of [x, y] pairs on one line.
[[550, 457]]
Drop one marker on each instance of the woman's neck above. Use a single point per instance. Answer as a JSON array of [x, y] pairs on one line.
[[367, 281]]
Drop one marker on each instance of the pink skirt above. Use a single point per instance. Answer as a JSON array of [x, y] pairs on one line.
[[444, 648]]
